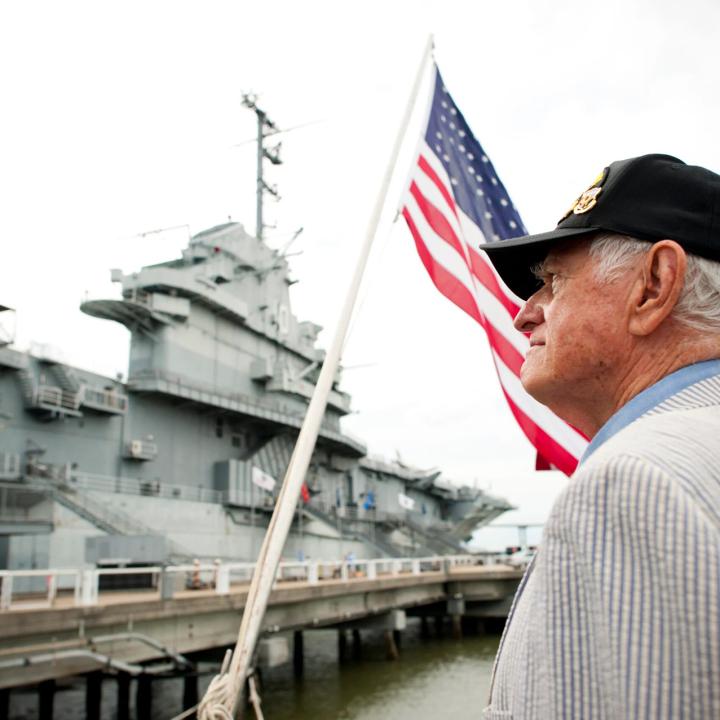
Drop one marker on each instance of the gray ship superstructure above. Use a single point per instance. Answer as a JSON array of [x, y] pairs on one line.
[[179, 461]]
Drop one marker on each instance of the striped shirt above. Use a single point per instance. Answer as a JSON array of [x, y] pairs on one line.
[[619, 614]]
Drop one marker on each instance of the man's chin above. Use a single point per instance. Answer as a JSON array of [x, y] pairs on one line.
[[536, 383]]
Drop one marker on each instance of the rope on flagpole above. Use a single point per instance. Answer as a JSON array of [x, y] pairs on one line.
[[222, 700]]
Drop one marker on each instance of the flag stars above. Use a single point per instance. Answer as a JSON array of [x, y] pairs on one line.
[[452, 125], [496, 237], [494, 180], [479, 192], [453, 181], [503, 202], [438, 148], [485, 158], [470, 157], [461, 148], [438, 135], [512, 224], [471, 169], [488, 215], [446, 157], [444, 104], [461, 133], [443, 118], [453, 111]]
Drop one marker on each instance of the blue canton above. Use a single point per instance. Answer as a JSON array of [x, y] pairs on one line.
[[477, 189]]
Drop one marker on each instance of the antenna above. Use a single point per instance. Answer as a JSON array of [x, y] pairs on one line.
[[283, 252], [265, 128]]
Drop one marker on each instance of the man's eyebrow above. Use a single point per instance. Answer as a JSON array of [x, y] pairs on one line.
[[540, 270]]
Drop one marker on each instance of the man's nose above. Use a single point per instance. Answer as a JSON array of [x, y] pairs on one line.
[[530, 316]]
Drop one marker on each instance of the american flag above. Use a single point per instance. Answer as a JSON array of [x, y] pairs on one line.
[[455, 203]]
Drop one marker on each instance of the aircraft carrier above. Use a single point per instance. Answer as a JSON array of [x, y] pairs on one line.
[[184, 459]]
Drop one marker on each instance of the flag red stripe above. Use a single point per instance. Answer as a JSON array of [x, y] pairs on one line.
[[551, 450], [444, 281], [483, 272], [437, 221], [455, 291], [427, 169], [478, 265]]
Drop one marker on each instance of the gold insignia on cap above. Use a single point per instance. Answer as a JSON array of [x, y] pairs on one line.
[[588, 200]]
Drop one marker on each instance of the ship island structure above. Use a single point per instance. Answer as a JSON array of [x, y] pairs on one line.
[[185, 459]]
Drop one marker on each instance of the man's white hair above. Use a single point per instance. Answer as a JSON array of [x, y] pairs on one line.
[[698, 306]]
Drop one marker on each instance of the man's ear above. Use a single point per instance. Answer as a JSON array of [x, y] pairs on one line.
[[658, 287]]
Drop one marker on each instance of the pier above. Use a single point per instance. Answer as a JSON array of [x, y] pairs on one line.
[[79, 624]]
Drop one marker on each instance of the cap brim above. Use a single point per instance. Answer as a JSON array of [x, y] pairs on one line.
[[514, 259]]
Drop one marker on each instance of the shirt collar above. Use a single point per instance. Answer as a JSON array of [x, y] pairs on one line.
[[651, 397]]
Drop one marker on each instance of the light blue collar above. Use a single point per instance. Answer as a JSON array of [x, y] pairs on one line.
[[650, 398]]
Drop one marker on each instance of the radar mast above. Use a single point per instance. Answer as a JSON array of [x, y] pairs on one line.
[[265, 128]]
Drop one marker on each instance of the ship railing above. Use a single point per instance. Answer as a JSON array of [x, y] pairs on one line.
[[423, 524], [57, 397], [107, 400], [139, 486], [82, 587], [350, 512], [260, 405]]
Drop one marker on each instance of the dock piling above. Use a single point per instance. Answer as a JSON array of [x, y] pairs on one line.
[[190, 690], [46, 699], [342, 645], [143, 697], [391, 649], [357, 643], [93, 695], [4, 702], [123, 696], [298, 653]]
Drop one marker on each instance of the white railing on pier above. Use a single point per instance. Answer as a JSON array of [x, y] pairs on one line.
[[164, 582]]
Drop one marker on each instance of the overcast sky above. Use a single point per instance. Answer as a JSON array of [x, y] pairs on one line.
[[121, 118]]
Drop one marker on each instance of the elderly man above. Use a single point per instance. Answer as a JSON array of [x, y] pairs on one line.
[[619, 614]]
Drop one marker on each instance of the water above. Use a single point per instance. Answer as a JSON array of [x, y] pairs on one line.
[[436, 677]]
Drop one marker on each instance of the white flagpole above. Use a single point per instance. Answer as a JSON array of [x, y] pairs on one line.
[[223, 696]]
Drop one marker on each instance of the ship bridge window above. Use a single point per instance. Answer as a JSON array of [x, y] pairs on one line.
[[219, 427]]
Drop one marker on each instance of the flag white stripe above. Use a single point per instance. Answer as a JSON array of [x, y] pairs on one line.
[[431, 192], [447, 256], [434, 162], [442, 252], [475, 239], [468, 233]]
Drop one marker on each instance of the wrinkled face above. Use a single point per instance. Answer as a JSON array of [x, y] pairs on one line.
[[578, 337]]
